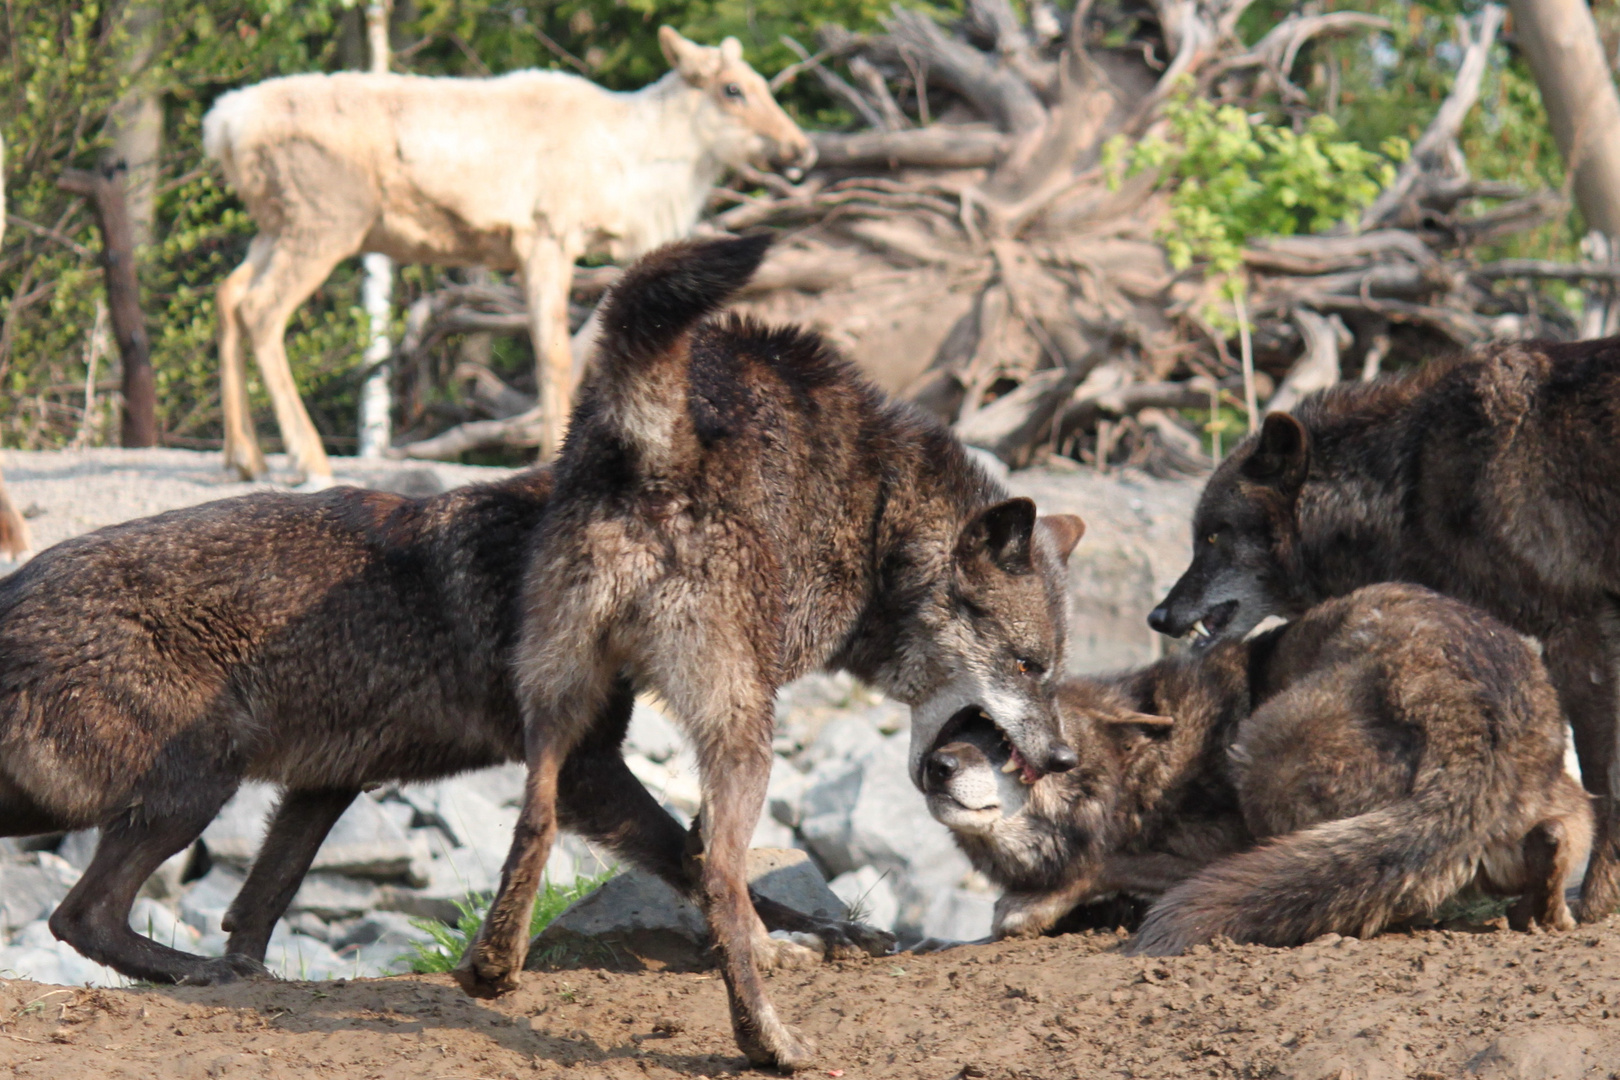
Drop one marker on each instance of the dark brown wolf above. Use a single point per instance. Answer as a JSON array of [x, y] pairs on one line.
[[321, 642], [1357, 766], [735, 507], [1493, 477]]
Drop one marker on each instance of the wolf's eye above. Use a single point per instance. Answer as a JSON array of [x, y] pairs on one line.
[[1212, 537], [1027, 666]]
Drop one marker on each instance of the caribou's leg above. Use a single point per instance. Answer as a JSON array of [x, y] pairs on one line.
[[293, 269], [548, 271], [242, 453]]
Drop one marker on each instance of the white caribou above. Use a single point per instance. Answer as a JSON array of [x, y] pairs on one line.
[[528, 171]]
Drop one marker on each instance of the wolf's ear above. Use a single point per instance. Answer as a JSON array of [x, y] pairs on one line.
[[1282, 456], [1065, 531], [1002, 533]]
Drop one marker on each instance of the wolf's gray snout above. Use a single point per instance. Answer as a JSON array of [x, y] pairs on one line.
[[940, 767], [1061, 758]]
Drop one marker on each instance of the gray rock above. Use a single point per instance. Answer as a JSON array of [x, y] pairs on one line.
[[380, 927], [55, 962], [959, 915], [1138, 541], [296, 956], [162, 924], [652, 735], [862, 811], [78, 848], [205, 901], [237, 830], [28, 892], [635, 918], [870, 896], [367, 842], [335, 896]]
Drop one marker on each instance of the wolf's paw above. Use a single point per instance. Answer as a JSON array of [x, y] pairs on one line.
[[1028, 915], [482, 977], [233, 967], [851, 940], [773, 1043], [792, 949]]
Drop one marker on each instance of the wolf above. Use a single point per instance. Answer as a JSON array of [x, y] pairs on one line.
[[322, 642], [735, 506], [1354, 767], [1491, 476]]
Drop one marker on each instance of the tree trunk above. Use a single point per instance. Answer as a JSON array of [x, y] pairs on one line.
[[1561, 42], [376, 397], [135, 124], [105, 189]]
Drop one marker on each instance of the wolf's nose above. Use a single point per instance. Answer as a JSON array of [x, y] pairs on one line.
[[1061, 758], [1159, 619], [941, 767]]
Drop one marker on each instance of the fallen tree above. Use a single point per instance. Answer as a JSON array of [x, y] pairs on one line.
[[978, 247]]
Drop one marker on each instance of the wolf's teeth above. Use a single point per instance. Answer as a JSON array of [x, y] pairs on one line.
[[1012, 766], [1200, 629]]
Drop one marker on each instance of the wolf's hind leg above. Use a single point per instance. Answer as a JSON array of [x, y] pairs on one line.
[[94, 916], [559, 714], [300, 824], [734, 761]]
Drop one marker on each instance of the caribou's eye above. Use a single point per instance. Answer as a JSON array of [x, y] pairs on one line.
[[1027, 666], [732, 90]]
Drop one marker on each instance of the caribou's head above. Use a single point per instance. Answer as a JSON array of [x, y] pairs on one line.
[[748, 126]]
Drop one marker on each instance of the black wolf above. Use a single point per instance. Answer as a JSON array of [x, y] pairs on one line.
[[1353, 767], [1493, 477], [734, 507], [321, 642]]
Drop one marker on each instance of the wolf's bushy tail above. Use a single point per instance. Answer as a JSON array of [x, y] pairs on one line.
[[1353, 876], [669, 291]]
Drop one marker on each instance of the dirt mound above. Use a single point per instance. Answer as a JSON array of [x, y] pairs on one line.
[[1431, 1005]]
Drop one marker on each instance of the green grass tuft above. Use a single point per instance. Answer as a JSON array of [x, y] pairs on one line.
[[444, 951]]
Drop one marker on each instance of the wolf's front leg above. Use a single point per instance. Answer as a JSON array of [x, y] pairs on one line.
[[734, 763], [1031, 914]]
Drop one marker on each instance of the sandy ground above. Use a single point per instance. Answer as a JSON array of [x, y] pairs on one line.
[[1428, 1005]]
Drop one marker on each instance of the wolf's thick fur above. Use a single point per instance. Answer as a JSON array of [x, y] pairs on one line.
[[1493, 477], [735, 507], [1385, 749], [321, 642]]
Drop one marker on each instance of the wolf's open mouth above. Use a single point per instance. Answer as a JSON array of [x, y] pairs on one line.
[[973, 725], [1207, 631]]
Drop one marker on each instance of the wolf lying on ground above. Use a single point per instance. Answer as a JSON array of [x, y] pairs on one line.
[[321, 642], [1493, 477], [1385, 750], [735, 507]]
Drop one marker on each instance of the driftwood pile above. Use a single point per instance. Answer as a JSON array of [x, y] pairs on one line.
[[968, 250]]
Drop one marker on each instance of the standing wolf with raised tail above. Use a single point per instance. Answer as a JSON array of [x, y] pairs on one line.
[[1492, 476], [734, 507]]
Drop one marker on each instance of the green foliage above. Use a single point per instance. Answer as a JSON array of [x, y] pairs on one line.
[[444, 951], [1236, 178], [1379, 85]]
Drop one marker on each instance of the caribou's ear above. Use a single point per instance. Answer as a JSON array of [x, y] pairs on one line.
[[1282, 454], [696, 63], [1141, 718], [1065, 531], [1002, 534], [731, 50]]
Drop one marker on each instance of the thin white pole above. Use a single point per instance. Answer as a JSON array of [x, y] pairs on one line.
[[376, 398]]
